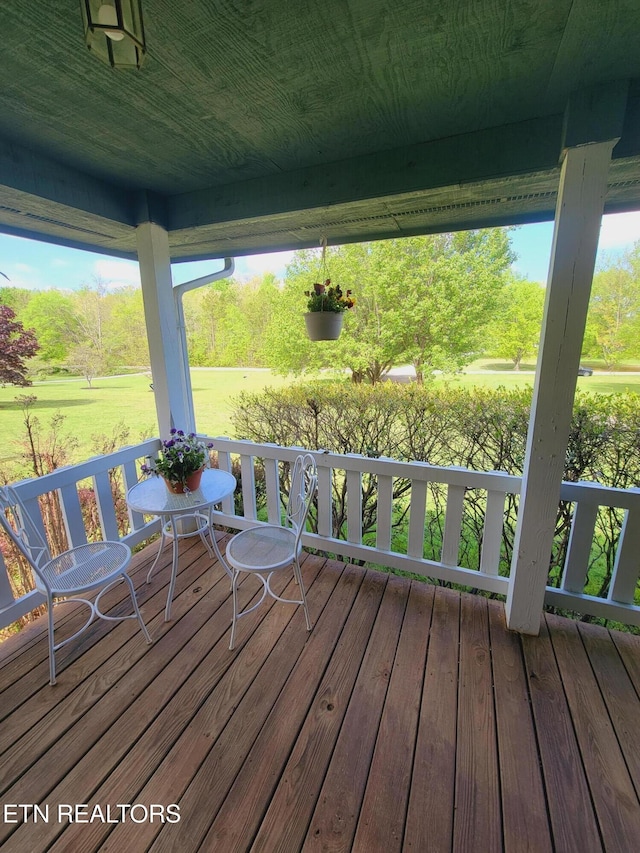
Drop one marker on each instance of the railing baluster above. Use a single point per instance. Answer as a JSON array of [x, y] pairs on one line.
[[248, 487], [453, 525], [354, 506], [72, 515], [625, 572], [417, 515], [104, 501], [384, 512], [325, 500], [492, 533], [272, 484], [576, 564]]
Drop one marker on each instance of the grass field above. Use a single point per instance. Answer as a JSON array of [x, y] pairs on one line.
[[97, 411], [128, 400]]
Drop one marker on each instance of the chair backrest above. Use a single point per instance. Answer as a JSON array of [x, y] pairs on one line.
[[304, 481], [20, 528]]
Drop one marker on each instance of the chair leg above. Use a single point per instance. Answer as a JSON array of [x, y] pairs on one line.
[[134, 600], [234, 595], [298, 576], [52, 654]]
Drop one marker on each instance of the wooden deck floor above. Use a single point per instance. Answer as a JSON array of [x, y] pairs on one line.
[[408, 719]]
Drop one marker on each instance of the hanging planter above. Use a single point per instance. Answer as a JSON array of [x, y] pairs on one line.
[[323, 325], [326, 306]]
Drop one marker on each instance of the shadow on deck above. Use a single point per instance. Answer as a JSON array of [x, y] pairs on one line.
[[408, 719]]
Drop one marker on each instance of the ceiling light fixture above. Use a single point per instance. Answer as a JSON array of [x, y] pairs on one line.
[[114, 31]]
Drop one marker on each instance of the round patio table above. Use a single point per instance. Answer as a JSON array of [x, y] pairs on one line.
[[185, 515]]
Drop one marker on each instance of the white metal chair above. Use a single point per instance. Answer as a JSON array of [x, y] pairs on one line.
[[67, 576], [269, 548]]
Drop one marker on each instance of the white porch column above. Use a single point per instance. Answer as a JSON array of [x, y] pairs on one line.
[[583, 185], [170, 377]]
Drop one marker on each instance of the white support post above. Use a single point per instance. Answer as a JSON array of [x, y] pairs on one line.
[[171, 385], [583, 185]]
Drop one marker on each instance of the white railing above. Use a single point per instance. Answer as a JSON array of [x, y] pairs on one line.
[[349, 474]]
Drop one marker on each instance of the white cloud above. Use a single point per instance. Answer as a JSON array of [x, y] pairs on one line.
[[619, 230], [274, 262], [116, 273], [23, 268]]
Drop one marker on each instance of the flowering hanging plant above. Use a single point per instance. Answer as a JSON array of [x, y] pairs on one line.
[[182, 455], [328, 297]]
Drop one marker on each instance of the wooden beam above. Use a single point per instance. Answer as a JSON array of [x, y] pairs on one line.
[[43, 180], [528, 146], [577, 227], [596, 114]]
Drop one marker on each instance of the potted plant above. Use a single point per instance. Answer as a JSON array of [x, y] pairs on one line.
[[181, 462], [325, 310]]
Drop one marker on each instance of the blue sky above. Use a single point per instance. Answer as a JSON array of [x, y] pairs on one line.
[[38, 266]]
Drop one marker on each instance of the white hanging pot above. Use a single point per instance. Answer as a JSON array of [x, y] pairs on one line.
[[324, 325]]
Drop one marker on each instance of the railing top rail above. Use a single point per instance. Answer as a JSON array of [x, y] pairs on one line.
[[70, 474], [380, 465]]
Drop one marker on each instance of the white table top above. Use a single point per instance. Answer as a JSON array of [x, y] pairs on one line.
[[152, 497]]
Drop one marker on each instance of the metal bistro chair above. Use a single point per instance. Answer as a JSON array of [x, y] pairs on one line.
[[269, 548], [67, 576]]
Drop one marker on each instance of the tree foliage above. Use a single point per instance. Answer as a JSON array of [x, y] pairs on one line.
[[516, 326], [613, 323], [16, 345], [419, 300]]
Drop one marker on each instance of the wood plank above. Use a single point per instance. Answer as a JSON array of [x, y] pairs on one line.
[[27, 674], [334, 820], [524, 810], [198, 772], [628, 647], [383, 811], [105, 654], [175, 730], [612, 791], [477, 821], [285, 823], [617, 691], [70, 765], [429, 823], [30, 643], [246, 744], [238, 820], [573, 823]]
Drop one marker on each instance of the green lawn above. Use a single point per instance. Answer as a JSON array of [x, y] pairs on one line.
[[129, 400], [98, 410]]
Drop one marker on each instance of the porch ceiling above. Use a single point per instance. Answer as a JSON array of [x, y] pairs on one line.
[[260, 126]]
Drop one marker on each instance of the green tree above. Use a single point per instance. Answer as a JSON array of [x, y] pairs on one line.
[[436, 294], [16, 298], [126, 332], [52, 316], [613, 322], [422, 300], [515, 331], [90, 352]]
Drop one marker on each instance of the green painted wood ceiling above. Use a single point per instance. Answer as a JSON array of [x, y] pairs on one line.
[[267, 124]]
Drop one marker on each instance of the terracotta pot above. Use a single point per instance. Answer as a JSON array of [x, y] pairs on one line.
[[324, 325], [191, 483]]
